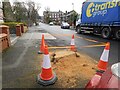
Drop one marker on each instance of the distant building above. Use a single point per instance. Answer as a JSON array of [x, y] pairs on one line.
[[70, 17], [58, 17], [53, 16], [42, 19]]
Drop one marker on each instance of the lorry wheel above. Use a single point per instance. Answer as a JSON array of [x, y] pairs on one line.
[[106, 32], [117, 34], [78, 30]]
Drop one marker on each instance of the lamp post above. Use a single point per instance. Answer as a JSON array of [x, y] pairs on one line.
[[73, 5], [73, 16]]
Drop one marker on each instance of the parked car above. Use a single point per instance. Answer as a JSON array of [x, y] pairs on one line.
[[51, 23], [65, 25], [108, 79]]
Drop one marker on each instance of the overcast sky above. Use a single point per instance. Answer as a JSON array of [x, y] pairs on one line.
[[63, 5], [56, 5]]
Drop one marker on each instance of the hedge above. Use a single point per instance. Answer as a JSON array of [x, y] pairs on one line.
[[12, 26]]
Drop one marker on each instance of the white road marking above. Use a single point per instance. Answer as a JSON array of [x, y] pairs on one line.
[[20, 58], [13, 41], [31, 36], [36, 35]]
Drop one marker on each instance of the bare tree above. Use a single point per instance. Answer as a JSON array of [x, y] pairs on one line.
[[32, 11], [47, 14], [47, 8], [20, 11]]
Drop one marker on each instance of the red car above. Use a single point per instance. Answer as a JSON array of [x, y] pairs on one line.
[[108, 79]]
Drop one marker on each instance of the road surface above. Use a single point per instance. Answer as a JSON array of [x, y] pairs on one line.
[[86, 40], [21, 61]]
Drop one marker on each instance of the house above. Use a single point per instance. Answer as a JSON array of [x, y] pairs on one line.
[[70, 17], [53, 16]]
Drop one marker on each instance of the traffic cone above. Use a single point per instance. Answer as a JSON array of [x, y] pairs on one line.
[[46, 77], [72, 48], [102, 64], [42, 46]]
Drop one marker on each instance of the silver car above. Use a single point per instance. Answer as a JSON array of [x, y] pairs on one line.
[[65, 25]]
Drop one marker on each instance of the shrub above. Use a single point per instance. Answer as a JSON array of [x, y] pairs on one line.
[[12, 26]]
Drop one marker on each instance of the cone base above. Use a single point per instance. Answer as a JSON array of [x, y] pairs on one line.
[[39, 52], [47, 82]]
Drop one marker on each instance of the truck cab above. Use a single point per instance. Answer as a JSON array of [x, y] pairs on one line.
[[78, 22]]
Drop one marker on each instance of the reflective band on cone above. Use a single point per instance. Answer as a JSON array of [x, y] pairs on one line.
[[105, 55], [102, 64], [72, 42], [73, 48], [46, 62]]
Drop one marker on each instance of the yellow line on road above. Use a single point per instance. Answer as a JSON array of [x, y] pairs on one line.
[[59, 47], [91, 40], [70, 35], [63, 35], [96, 45], [79, 37]]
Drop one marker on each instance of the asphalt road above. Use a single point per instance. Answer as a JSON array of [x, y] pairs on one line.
[[21, 63], [86, 40]]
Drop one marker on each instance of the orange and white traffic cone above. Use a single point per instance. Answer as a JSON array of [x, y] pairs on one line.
[[102, 64], [46, 77], [42, 46], [72, 45]]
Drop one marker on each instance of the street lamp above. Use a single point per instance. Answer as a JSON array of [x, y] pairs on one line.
[[73, 5], [73, 16]]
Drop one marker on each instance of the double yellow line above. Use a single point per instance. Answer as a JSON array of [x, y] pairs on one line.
[[95, 45]]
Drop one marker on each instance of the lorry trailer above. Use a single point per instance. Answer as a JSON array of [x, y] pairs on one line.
[[100, 17]]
